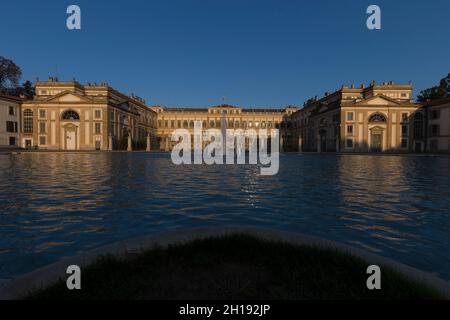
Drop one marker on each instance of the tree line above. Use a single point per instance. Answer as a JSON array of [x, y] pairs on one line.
[[10, 75]]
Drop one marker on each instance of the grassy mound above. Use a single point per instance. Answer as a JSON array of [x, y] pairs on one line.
[[235, 267]]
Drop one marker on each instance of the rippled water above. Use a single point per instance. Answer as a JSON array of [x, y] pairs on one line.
[[57, 204]]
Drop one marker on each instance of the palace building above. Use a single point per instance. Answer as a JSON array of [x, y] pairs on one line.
[[218, 117], [377, 118], [438, 125], [9, 120], [71, 116]]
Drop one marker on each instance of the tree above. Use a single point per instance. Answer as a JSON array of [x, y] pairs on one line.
[[10, 74], [437, 92], [26, 90]]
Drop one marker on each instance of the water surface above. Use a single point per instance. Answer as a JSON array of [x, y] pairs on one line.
[[58, 204]]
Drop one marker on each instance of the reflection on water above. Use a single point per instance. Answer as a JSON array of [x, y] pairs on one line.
[[58, 204]]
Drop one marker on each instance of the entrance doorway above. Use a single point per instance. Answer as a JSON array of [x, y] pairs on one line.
[[28, 143], [377, 141], [71, 139]]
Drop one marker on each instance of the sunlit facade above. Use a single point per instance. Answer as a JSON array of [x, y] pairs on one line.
[[377, 118], [216, 117], [71, 116]]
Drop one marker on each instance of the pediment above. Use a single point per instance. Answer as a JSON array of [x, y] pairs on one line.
[[68, 97], [379, 100]]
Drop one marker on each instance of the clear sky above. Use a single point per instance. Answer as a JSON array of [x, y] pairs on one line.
[[256, 53]]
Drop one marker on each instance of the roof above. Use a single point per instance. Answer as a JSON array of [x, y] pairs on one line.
[[437, 102], [10, 97]]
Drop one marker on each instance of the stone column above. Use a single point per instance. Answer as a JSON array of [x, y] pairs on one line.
[[110, 143], [300, 143], [148, 142], [130, 143]]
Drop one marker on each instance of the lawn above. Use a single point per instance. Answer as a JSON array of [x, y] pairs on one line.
[[235, 267]]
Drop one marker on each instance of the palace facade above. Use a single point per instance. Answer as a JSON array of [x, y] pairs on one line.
[[217, 117], [438, 113], [376, 118], [9, 120], [71, 116]]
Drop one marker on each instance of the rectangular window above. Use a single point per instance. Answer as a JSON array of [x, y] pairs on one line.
[[336, 118], [435, 114], [11, 111], [97, 114], [166, 123], [405, 131], [42, 114], [211, 123], [217, 124], [12, 141], [41, 127], [159, 123], [42, 140], [350, 116], [179, 124], [98, 128], [405, 117], [350, 131], [434, 130], [10, 126], [185, 124], [172, 123], [349, 143]]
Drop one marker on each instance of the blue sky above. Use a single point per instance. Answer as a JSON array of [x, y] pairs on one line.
[[256, 53]]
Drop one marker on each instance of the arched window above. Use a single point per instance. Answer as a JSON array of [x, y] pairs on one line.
[[70, 115], [28, 121], [377, 117]]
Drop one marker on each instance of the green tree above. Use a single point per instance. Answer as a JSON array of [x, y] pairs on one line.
[[437, 92], [26, 90], [10, 74]]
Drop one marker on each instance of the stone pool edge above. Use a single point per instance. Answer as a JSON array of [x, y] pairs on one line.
[[45, 276]]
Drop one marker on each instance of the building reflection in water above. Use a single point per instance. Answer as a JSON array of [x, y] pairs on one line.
[[57, 204]]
